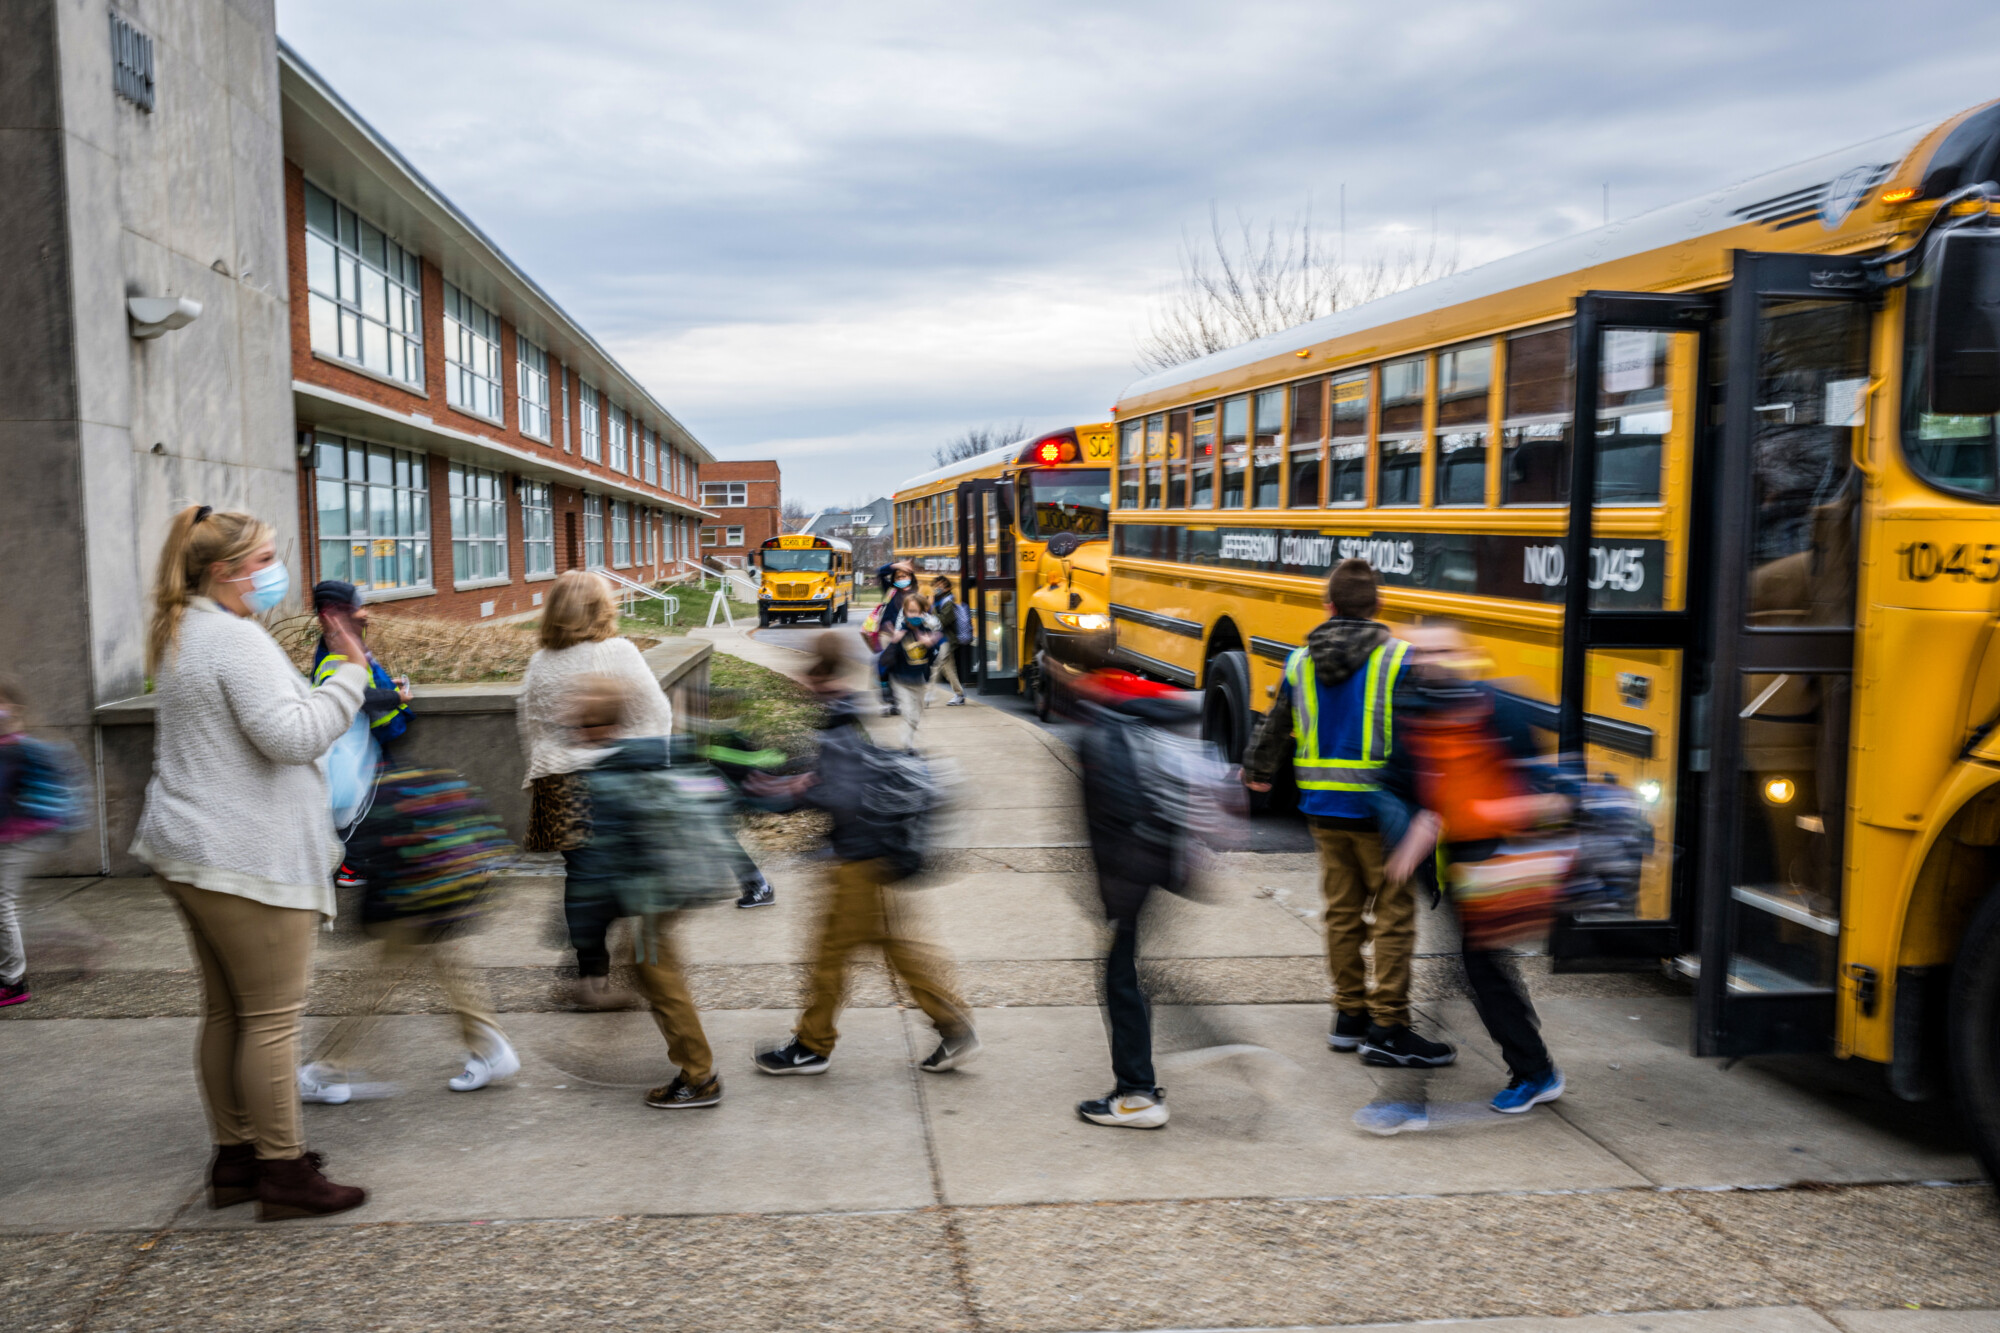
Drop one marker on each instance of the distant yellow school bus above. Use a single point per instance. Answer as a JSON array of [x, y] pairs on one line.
[[804, 577], [1039, 514], [1766, 594]]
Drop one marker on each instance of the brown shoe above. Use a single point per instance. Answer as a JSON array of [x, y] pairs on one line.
[[681, 1095], [295, 1188], [232, 1175]]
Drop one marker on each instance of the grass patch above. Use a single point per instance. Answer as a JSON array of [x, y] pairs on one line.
[[431, 650], [771, 709]]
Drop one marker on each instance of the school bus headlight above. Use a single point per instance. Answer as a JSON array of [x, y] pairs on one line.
[[1649, 792], [1780, 791], [1085, 620]]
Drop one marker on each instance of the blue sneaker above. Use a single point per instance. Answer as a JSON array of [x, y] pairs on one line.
[[1526, 1093]]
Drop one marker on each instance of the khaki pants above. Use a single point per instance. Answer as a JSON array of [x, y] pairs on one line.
[[1351, 884], [664, 982], [911, 696], [401, 948], [947, 669], [255, 962], [861, 910]]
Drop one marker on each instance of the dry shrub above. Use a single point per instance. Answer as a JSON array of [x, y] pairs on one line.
[[429, 649]]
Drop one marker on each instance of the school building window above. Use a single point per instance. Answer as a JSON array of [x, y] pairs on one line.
[[619, 461], [586, 419], [374, 514], [478, 523], [538, 528], [725, 494], [364, 294], [711, 536], [471, 355], [593, 532], [621, 534], [732, 536], [648, 450], [531, 388]]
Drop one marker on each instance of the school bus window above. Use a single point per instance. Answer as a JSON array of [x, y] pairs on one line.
[[1633, 416], [1535, 439], [1804, 508], [1465, 380], [1203, 447], [1067, 500], [1308, 437], [1156, 461], [1399, 462], [1177, 434], [1267, 450], [1347, 451], [1235, 452], [1131, 449], [796, 562], [1955, 452]]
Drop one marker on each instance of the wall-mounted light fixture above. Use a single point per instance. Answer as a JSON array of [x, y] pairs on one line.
[[155, 315]]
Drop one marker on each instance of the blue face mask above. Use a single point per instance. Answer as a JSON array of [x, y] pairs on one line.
[[268, 587]]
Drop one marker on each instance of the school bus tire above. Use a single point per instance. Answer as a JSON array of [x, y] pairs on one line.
[[763, 617], [1974, 1032], [826, 616], [1225, 706]]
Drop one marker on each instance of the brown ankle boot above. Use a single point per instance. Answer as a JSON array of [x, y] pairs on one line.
[[232, 1176], [295, 1188]]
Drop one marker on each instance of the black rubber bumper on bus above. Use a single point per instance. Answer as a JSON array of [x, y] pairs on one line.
[[1085, 650]]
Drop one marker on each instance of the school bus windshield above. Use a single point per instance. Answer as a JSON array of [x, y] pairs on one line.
[[797, 562], [1076, 501]]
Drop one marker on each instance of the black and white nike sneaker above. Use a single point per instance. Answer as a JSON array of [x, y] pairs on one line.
[[757, 893], [791, 1058], [1348, 1032], [951, 1052], [1129, 1110], [1402, 1047]]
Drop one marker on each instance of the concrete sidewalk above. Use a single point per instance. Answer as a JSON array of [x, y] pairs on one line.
[[1779, 1192]]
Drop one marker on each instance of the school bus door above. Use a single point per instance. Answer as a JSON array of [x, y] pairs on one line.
[[1767, 633]]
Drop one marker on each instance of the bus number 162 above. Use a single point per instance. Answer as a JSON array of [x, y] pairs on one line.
[[1921, 562]]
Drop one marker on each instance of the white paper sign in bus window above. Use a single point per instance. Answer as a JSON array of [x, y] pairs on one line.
[[1628, 360]]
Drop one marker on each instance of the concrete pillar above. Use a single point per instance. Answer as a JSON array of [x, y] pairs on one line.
[[103, 436]]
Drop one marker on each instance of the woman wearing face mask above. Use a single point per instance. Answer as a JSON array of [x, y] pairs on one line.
[[237, 826], [900, 578]]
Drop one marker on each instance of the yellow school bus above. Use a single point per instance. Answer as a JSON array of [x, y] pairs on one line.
[[1764, 592], [1030, 520], [804, 577]]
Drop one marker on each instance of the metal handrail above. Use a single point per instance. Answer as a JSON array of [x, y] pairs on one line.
[[633, 588]]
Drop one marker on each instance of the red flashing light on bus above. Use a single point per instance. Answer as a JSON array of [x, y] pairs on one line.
[[1050, 452]]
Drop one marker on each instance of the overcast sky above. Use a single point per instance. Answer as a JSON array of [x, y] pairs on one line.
[[837, 234]]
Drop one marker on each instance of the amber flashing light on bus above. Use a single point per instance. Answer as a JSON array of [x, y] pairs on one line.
[[1779, 791], [1902, 194], [1056, 451]]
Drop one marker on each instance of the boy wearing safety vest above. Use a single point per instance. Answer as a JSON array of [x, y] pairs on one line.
[[1335, 713]]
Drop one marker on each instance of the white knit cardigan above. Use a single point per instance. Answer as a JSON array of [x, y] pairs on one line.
[[236, 804], [542, 712]]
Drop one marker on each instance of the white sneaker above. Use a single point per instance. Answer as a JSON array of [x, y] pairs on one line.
[[318, 1086], [483, 1069], [1131, 1110]]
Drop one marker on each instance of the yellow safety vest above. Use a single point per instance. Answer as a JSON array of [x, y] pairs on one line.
[[1329, 772]]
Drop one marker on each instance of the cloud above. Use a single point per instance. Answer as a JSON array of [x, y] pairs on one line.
[[849, 230]]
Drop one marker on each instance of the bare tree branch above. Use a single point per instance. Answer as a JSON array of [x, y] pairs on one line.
[[977, 440], [1266, 278]]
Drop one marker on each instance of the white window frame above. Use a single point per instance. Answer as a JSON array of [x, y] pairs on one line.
[[371, 486], [593, 532], [531, 388], [471, 357], [734, 495], [711, 536], [364, 304], [732, 536], [478, 525], [592, 445], [650, 443], [621, 535], [538, 531], [618, 430], [562, 375]]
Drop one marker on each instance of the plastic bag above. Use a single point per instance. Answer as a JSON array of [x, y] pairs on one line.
[[349, 765]]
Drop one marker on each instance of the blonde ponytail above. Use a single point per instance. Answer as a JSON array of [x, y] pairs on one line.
[[197, 539]]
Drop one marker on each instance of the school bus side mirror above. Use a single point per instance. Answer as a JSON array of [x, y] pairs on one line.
[[1963, 376]]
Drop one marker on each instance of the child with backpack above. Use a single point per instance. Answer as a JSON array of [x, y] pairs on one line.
[[880, 801], [909, 658], [659, 841], [957, 623], [39, 802]]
